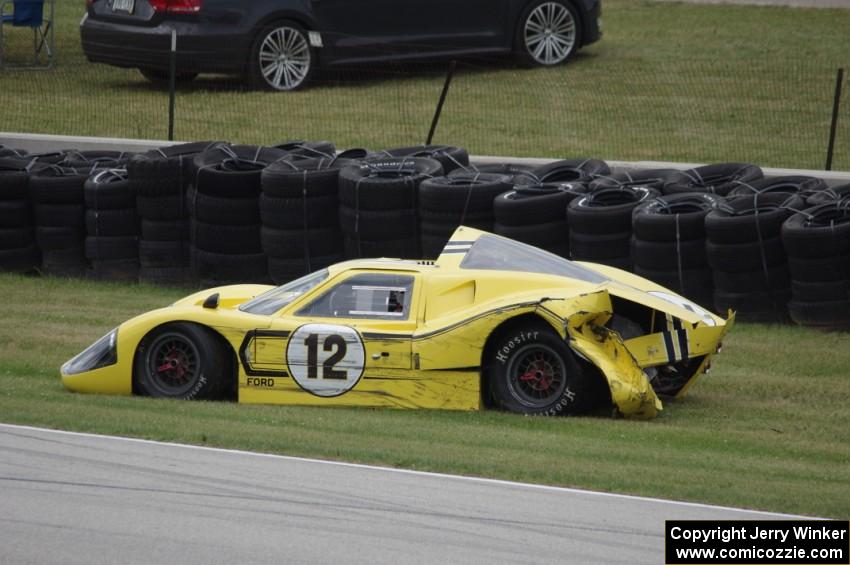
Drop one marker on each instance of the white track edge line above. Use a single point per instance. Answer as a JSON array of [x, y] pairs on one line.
[[483, 480]]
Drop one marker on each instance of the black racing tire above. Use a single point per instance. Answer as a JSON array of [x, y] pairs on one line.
[[530, 370], [232, 171], [661, 256], [787, 184], [109, 190], [757, 280], [768, 307], [15, 214], [829, 194], [532, 204], [820, 231], [223, 211], [284, 270], [294, 176], [744, 257], [224, 268], [230, 240], [598, 247], [606, 210], [112, 222], [65, 262], [59, 237], [183, 360], [438, 221], [96, 160], [385, 184], [649, 178], [513, 170], [673, 217], [450, 157], [820, 291], [544, 235], [165, 171], [826, 314], [289, 213], [15, 238], [531, 51], [162, 208], [154, 230], [718, 179], [119, 270], [161, 77], [292, 244], [57, 185], [376, 226], [166, 276], [747, 218], [462, 193], [432, 245], [288, 39], [65, 215], [299, 149], [820, 269], [571, 170], [163, 254], [14, 183], [21, 260], [105, 248], [396, 248]]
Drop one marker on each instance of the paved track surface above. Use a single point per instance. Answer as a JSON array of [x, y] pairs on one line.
[[71, 498]]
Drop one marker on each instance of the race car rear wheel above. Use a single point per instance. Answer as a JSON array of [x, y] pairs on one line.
[[532, 371], [181, 360]]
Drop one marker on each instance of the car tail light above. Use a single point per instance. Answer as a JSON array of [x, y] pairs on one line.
[[177, 6]]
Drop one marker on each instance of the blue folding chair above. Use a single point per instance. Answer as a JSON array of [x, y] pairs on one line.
[[29, 14]]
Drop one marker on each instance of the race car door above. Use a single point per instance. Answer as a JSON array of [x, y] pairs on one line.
[[350, 344]]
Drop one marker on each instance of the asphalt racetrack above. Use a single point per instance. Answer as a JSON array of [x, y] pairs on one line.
[[74, 498]]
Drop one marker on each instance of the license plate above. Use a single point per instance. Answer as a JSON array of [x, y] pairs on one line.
[[123, 6]]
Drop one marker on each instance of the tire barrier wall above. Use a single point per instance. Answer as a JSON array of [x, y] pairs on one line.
[[772, 248]]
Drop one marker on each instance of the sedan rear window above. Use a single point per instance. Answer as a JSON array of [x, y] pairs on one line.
[[494, 253]]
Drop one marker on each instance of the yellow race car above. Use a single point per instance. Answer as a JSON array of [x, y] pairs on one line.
[[490, 323]]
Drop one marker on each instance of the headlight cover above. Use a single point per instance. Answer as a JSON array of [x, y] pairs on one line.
[[102, 353]]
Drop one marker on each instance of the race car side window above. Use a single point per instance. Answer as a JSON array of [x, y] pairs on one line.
[[377, 296], [270, 302]]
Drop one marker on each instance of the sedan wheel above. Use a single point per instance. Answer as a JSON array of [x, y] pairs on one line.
[[283, 59], [549, 34]]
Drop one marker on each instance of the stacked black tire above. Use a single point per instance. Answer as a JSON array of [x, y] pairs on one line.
[[18, 250], [58, 198], [462, 198], [571, 170], [600, 224], [450, 157], [719, 179], [225, 216], [378, 205], [95, 159], [160, 180], [112, 227], [536, 214], [299, 212], [747, 257], [817, 241], [790, 184], [669, 240]]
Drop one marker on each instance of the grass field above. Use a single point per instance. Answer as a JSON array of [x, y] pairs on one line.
[[678, 82], [768, 428]]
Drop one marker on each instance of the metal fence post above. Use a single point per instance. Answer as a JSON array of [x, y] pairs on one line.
[[836, 104], [172, 84], [442, 101]]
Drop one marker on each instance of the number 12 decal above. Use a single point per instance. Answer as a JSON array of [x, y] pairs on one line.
[[324, 359]]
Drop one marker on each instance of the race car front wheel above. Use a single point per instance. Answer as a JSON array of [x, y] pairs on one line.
[[532, 371], [181, 360]]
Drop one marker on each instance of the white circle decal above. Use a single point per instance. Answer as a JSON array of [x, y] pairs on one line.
[[324, 359]]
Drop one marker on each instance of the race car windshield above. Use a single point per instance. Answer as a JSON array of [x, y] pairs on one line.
[[270, 302], [491, 252]]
